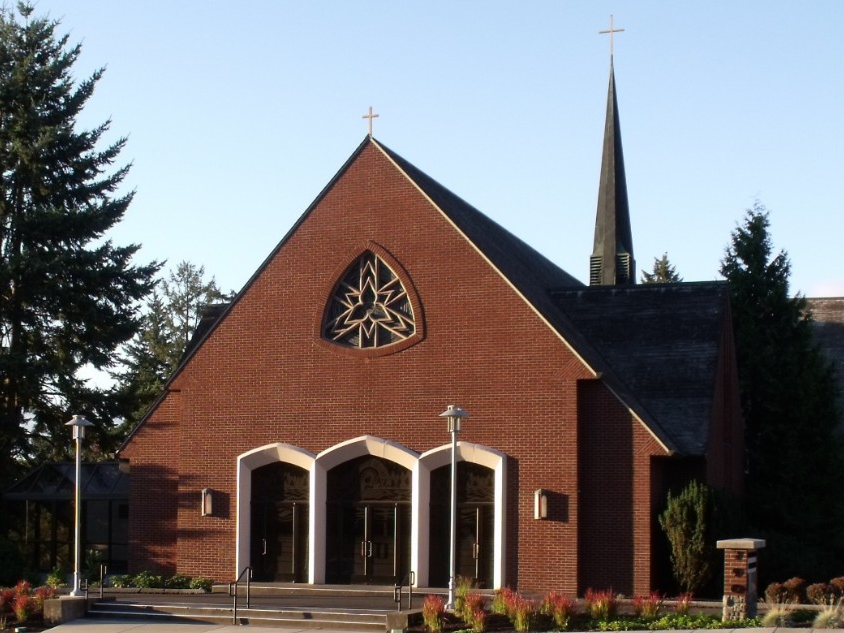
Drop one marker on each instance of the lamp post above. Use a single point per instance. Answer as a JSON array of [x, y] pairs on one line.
[[453, 415], [78, 424]]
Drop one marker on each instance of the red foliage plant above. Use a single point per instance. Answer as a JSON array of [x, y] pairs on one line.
[[602, 605]]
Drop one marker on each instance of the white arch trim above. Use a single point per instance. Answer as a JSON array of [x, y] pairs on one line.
[[246, 463], [334, 456], [318, 467], [441, 456]]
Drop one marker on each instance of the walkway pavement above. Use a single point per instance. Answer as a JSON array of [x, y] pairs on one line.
[[85, 625], [99, 625]]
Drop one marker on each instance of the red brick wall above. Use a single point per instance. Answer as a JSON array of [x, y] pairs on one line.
[[615, 455], [153, 490], [265, 376]]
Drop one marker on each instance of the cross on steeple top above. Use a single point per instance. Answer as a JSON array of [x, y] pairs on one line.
[[612, 31], [370, 116]]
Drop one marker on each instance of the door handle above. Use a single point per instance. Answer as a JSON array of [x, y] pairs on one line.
[[476, 550], [264, 553]]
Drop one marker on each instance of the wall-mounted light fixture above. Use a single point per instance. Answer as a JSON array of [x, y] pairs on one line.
[[207, 505], [540, 504]]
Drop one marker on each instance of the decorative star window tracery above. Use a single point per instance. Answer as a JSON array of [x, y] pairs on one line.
[[370, 307]]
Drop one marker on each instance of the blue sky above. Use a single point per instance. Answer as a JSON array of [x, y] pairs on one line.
[[238, 113]]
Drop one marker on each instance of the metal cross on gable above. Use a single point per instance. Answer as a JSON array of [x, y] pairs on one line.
[[612, 31], [370, 116]]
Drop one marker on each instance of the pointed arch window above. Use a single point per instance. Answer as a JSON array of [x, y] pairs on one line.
[[370, 307]]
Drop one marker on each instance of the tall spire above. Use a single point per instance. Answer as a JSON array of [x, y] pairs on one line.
[[612, 260]]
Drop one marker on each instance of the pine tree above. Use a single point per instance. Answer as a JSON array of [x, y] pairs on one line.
[[664, 272], [687, 522], [188, 294], [789, 398], [172, 314], [68, 295]]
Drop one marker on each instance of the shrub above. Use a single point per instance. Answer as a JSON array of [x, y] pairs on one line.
[[56, 578], [121, 581], [795, 589], [177, 581], [7, 599], [93, 562], [524, 613], [433, 609], [820, 593], [776, 593], [147, 580], [686, 522], [24, 607], [648, 607], [472, 603], [838, 585], [478, 622], [830, 617], [561, 608], [501, 599], [42, 594], [684, 602], [201, 583], [602, 605], [462, 587]]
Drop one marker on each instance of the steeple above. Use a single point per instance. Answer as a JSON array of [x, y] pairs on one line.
[[612, 260]]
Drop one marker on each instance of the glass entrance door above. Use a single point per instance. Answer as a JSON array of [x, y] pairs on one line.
[[384, 543], [279, 534], [475, 524], [368, 522]]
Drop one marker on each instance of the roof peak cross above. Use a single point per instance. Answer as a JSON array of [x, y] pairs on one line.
[[612, 31], [370, 116]]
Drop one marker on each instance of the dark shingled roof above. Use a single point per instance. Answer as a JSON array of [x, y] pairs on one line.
[[657, 347], [513, 257]]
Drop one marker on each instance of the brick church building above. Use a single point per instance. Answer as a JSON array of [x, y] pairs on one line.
[[301, 435]]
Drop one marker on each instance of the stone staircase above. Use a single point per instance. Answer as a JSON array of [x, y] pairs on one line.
[[340, 609]]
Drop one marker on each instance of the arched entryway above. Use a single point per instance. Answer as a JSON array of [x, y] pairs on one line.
[[368, 522], [290, 470], [481, 477], [475, 548], [279, 531]]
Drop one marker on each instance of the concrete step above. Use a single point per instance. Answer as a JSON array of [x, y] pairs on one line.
[[345, 619]]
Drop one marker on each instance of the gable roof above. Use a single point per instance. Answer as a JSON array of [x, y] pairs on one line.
[[657, 346], [581, 316]]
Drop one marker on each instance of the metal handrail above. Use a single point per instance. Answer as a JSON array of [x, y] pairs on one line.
[[410, 580], [233, 591]]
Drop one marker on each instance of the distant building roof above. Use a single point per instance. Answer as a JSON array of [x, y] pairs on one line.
[[101, 480], [828, 323]]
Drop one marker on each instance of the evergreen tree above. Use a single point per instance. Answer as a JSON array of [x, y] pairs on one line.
[[664, 272], [172, 314], [687, 522], [68, 295], [188, 294], [789, 398]]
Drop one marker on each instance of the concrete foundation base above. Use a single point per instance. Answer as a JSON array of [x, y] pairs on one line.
[[64, 609]]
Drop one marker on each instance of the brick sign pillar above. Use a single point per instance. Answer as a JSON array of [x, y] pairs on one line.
[[740, 577]]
